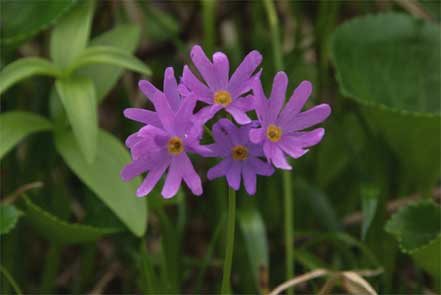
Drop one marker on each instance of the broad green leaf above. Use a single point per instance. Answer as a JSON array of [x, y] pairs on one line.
[[416, 225], [60, 231], [417, 228], [111, 56], [77, 95], [370, 194], [9, 216], [69, 38], [254, 234], [124, 37], [389, 64], [14, 126], [102, 177], [20, 21], [25, 68]]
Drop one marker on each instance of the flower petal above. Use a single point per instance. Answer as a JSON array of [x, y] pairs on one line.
[[142, 116], [233, 174], [239, 115], [204, 66], [249, 178], [275, 155], [165, 113], [152, 178], [207, 113], [225, 133], [135, 168], [173, 179], [244, 70], [191, 178], [260, 101], [220, 169], [171, 88], [291, 149], [147, 88], [297, 100], [307, 119], [261, 168], [257, 135], [278, 93], [244, 103], [194, 85], [222, 68]]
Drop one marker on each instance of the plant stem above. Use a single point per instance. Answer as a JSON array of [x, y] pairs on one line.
[[208, 15], [230, 241], [10, 279], [289, 225], [287, 184]]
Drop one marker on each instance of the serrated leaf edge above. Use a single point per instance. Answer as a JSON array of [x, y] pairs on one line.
[[14, 223], [398, 236], [375, 105]]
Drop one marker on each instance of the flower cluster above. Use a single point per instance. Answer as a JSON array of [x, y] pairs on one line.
[[253, 148]]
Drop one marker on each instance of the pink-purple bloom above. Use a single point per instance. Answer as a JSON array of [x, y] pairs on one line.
[[219, 90], [170, 133], [173, 130], [280, 130], [240, 156]]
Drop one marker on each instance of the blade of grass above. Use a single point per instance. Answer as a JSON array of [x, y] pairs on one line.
[[10, 280]]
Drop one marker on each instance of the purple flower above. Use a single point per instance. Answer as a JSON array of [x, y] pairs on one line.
[[170, 133], [221, 91], [240, 156], [281, 131]]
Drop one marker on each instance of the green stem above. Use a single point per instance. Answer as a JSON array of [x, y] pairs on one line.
[[10, 279], [51, 268], [287, 184], [209, 21], [275, 34], [230, 241], [289, 225]]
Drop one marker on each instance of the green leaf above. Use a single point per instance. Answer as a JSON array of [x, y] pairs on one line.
[[370, 194], [124, 37], [9, 216], [71, 34], [60, 231], [25, 68], [77, 95], [14, 126], [111, 56], [415, 225], [418, 230], [102, 177], [20, 20], [397, 90], [253, 231]]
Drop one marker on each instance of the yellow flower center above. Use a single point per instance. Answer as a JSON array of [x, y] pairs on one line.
[[222, 97], [274, 133], [239, 152], [175, 145]]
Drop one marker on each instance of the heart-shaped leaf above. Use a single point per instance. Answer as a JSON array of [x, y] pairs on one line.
[[14, 126], [78, 97], [102, 177], [9, 216], [389, 64], [60, 231], [418, 231]]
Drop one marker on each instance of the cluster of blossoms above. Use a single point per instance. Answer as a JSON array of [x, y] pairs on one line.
[[253, 148]]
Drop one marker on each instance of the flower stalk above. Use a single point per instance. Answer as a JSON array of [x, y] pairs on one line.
[[226, 288]]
